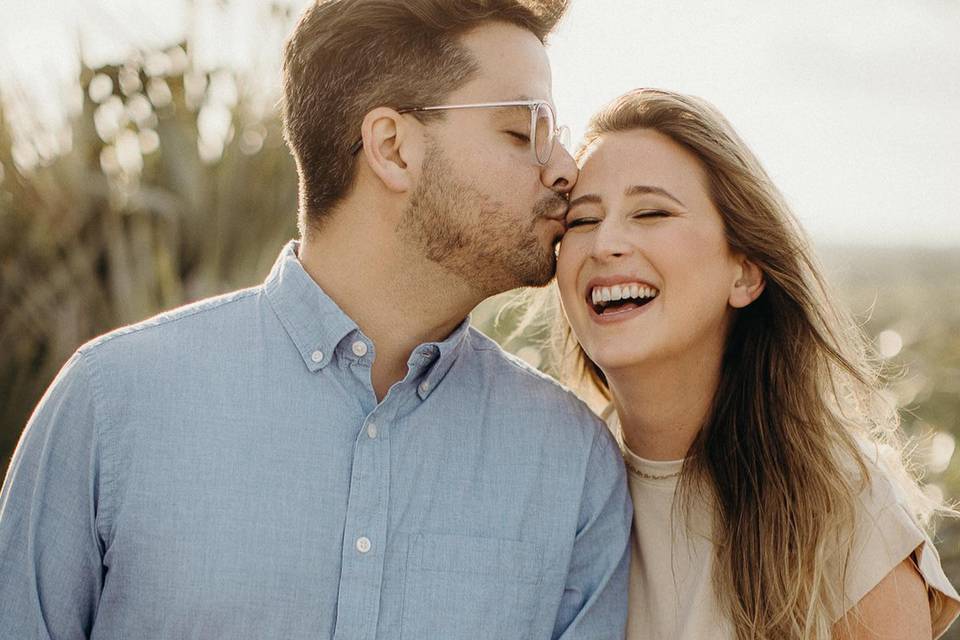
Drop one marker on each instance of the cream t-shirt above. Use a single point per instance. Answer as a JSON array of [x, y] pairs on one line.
[[671, 589]]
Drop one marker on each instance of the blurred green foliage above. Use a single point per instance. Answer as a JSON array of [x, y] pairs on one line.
[[171, 187], [172, 184]]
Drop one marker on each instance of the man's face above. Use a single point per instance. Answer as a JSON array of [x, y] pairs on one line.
[[484, 208]]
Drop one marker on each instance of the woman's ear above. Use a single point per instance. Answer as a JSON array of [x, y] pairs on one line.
[[747, 285], [385, 148]]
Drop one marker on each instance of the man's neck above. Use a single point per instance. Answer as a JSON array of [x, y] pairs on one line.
[[398, 300]]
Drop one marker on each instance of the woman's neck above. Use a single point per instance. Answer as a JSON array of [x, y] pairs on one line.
[[663, 406]]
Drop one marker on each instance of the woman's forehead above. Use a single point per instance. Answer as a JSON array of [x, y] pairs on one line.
[[617, 160]]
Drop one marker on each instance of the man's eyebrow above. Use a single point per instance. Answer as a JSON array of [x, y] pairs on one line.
[[642, 189], [509, 114]]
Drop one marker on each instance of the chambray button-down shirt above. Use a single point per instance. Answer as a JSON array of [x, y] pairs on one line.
[[224, 470]]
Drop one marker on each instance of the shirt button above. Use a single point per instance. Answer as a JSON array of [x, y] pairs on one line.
[[363, 544], [372, 430], [316, 356], [359, 348], [424, 386]]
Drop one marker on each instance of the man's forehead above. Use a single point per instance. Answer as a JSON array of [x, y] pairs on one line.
[[512, 65]]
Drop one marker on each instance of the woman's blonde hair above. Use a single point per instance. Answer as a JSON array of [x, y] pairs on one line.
[[779, 453]]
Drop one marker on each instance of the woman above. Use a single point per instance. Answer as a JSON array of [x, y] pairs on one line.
[[750, 417]]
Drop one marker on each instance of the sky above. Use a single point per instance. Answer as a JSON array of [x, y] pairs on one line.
[[853, 107]]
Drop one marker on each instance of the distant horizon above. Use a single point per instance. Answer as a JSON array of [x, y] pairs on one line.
[[835, 244], [852, 109]]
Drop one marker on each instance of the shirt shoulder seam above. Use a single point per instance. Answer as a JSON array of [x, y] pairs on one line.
[[487, 344], [171, 316], [107, 467]]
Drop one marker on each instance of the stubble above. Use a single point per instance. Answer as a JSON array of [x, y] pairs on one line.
[[478, 238]]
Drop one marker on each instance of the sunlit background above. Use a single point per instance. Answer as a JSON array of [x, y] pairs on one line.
[[853, 106], [141, 165]]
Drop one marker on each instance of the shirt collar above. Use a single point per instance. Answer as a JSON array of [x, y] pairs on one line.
[[317, 325], [442, 355], [312, 319]]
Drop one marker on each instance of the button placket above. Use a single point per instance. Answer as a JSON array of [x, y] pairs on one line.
[[363, 552]]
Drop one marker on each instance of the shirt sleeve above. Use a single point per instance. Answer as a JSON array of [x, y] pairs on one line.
[[885, 534], [594, 602], [50, 553]]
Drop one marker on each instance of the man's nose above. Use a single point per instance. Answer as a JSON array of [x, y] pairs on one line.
[[560, 173]]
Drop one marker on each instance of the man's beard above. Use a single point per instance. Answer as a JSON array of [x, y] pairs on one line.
[[474, 236]]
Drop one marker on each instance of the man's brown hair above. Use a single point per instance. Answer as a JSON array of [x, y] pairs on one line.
[[347, 57]]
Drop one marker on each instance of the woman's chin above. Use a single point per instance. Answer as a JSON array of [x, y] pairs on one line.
[[613, 359]]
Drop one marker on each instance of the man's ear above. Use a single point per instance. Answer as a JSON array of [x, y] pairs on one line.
[[747, 285], [386, 147]]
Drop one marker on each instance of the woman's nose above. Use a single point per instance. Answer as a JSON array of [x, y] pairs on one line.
[[610, 241]]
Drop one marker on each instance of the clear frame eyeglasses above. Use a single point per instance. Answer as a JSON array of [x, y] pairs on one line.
[[544, 132]]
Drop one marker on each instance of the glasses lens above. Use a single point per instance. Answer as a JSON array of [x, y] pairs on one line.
[[543, 133]]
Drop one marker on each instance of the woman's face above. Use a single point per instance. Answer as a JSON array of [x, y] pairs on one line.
[[644, 270]]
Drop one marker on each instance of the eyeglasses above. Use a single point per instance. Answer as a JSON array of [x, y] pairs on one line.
[[544, 132]]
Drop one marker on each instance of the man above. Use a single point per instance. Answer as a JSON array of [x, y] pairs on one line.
[[336, 453]]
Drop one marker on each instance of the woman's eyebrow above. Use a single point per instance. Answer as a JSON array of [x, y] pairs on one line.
[[585, 199], [642, 189], [634, 190]]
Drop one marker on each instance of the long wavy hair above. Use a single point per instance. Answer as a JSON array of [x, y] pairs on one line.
[[780, 454]]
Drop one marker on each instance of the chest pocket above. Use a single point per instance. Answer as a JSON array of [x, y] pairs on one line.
[[470, 588]]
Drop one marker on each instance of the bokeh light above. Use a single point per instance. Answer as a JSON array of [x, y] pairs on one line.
[[889, 343]]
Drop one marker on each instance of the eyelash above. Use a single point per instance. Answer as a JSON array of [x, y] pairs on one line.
[[651, 213], [522, 137], [646, 213]]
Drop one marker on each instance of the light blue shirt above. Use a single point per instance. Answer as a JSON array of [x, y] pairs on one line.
[[224, 470]]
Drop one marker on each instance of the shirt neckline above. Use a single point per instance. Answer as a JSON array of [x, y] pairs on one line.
[[317, 325], [635, 462]]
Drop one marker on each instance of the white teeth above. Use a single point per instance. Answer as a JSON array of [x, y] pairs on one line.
[[622, 291]]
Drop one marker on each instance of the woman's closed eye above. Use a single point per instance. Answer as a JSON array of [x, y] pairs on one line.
[[522, 137], [580, 222], [651, 213]]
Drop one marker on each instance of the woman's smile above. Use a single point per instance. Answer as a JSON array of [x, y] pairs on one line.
[[623, 299]]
